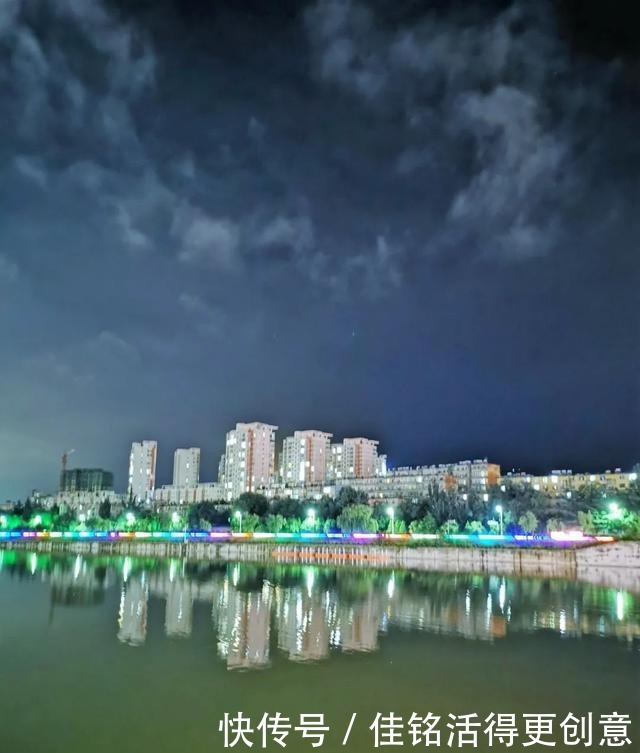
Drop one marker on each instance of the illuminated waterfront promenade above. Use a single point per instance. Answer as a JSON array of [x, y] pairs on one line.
[[554, 538]]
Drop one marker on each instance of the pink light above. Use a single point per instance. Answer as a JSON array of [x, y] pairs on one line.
[[568, 536]]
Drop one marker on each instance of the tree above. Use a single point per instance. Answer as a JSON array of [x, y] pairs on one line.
[[329, 525], [474, 527], [249, 522], [449, 527], [586, 521], [554, 524], [424, 525], [208, 514], [253, 504], [104, 510], [27, 510], [528, 522], [275, 523], [350, 496], [286, 507], [521, 498], [357, 518], [589, 497]]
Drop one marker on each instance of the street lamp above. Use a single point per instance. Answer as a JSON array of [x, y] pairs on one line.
[[130, 518], [311, 517], [499, 510], [3, 521], [238, 515], [615, 511], [37, 520], [392, 514]]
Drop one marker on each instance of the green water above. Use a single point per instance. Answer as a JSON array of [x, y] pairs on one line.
[[130, 656]]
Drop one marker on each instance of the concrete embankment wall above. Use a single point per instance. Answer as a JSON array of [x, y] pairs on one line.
[[615, 564]]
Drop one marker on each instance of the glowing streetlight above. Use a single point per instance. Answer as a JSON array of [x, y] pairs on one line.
[[499, 510], [311, 517], [175, 518], [37, 520], [82, 517], [238, 515], [392, 515], [3, 521], [615, 511], [130, 518]]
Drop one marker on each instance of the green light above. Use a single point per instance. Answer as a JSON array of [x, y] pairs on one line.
[[615, 511]]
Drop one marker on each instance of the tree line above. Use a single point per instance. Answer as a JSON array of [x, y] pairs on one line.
[[594, 508]]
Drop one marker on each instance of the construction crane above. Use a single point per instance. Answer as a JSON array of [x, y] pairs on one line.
[[64, 461]]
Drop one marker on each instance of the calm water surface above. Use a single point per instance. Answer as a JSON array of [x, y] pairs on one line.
[[127, 655]]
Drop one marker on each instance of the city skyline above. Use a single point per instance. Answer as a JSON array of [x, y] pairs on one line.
[[398, 221], [276, 464]]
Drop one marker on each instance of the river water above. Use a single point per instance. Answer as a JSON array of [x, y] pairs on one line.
[[129, 655]]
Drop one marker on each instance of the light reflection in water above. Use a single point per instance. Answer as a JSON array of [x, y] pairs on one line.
[[307, 612]]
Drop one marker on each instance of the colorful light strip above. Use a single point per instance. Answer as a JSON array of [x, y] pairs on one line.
[[482, 539]]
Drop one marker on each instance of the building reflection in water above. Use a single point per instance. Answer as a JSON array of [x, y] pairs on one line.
[[305, 613], [132, 617]]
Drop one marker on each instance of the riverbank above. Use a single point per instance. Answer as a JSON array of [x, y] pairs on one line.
[[613, 564]]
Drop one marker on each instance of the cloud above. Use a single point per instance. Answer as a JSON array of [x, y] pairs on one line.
[[82, 362], [108, 345], [293, 234], [455, 80], [379, 270], [8, 14], [8, 269], [520, 170], [74, 70], [31, 169], [345, 47], [134, 238], [131, 62], [209, 322], [204, 240]]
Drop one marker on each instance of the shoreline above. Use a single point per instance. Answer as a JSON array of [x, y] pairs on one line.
[[613, 565]]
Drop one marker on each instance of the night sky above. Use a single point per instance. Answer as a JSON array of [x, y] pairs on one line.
[[415, 221]]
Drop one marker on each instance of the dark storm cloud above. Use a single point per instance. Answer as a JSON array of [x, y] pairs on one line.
[[495, 112], [211, 214]]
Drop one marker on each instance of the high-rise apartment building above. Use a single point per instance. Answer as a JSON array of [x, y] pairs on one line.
[[354, 457], [142, 470], [304, 457], [186, 467], [86, 480], [249, 459]]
